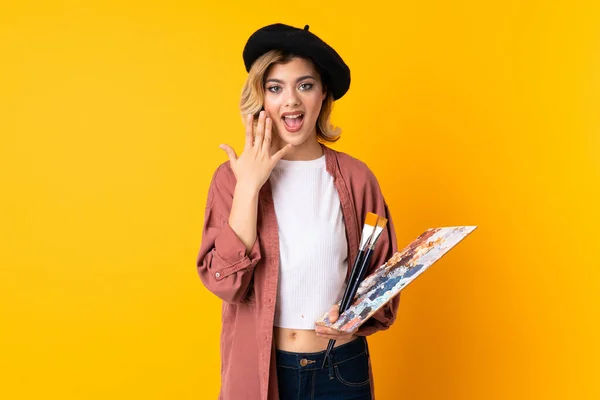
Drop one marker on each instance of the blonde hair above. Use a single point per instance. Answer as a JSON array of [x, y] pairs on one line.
[[253, 95]]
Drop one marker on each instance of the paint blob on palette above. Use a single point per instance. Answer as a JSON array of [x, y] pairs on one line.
[[402, 268]]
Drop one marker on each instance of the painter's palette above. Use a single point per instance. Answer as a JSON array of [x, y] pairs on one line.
[[401, 269]]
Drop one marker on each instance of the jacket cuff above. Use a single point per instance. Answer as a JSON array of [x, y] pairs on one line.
[[230, 252]]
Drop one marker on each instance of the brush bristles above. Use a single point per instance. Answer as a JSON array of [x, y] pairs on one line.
[[381, 223], [371, 219], [370, 225]]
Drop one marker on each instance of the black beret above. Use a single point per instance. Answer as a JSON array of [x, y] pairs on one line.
[[303, 43]]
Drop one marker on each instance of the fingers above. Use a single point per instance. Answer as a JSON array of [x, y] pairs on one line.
[[230, 152], [260, 130], [282, 152], [266, 145], [325, 330], [249, 134], [334, 313], [335, 337], [330, 333]]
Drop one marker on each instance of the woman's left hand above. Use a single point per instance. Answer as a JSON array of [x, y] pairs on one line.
[[330, 333]]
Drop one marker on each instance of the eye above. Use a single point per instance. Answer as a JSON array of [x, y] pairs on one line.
[[306, 86], [274, 88]]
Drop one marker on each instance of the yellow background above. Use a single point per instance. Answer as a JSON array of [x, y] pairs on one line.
[[469, 112]]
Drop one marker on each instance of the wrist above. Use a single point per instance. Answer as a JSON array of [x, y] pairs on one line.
[[247, 189]]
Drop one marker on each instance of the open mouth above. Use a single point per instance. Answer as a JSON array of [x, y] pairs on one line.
[[293, 122]]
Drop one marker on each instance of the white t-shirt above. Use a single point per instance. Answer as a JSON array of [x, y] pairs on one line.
[[312, 242]]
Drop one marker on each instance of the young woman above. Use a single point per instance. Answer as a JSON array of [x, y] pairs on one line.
[[282, 227]]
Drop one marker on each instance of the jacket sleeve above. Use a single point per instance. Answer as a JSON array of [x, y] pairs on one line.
[[385, 248], [223, 262]]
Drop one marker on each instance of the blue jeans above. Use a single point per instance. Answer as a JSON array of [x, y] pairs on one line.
[[301, 377]]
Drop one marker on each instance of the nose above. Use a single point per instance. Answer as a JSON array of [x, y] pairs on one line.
[[292, 100]]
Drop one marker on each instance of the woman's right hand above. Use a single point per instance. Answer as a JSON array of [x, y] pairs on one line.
[[254, 166]]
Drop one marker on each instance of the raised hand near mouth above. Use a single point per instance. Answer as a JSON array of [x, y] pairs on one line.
[[251, 170], [253, 167]]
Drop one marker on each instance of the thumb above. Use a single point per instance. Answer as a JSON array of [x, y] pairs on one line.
[[334, 313], [230, 152]]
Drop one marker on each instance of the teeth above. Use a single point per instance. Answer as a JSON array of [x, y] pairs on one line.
[[292, 116]]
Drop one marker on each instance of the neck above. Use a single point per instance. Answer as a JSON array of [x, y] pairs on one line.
[[310, 149]]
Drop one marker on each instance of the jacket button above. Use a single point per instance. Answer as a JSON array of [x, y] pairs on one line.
[[218, 275]]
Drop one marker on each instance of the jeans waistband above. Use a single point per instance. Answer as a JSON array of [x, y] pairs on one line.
[[309, 361]]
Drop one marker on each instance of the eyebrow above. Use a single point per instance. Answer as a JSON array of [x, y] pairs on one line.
[[297, 80]]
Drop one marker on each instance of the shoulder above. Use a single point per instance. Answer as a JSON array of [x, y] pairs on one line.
[[363, 186], [222, 184], [355, 170], [223, 175]]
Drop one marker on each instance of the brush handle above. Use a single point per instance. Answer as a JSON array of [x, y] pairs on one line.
[[362, 271], [329, 348], [346, 298]]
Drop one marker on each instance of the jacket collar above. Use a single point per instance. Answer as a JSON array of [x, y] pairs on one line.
[[330, 160]]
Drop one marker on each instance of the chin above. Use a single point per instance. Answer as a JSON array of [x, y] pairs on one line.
[[295, 138]]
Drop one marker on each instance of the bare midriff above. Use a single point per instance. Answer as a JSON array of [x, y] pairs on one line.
[[302, 340]]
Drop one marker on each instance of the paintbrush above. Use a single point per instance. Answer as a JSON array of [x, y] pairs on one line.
[[371, 230], [364, 267], [368, 231]]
